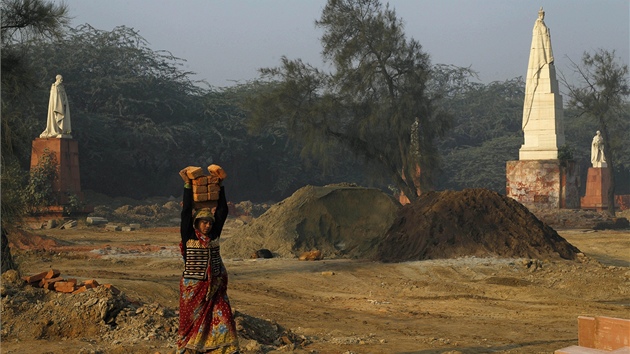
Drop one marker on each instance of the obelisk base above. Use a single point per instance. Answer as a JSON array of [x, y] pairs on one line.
[[543, 184], [597, 184]]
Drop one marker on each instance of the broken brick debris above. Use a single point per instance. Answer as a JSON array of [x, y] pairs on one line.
[[52, 280]]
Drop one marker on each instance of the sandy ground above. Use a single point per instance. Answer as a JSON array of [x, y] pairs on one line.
[[466, 305]]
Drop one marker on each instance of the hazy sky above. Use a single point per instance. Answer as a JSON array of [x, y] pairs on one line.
[[227, 41]]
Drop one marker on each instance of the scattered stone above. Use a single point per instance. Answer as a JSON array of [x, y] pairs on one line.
[[69, 224], [96, 220], [113, 227], [315, 255], [262, 253], [50, 224]]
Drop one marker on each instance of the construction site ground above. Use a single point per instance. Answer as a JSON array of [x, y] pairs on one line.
[[463, 305]]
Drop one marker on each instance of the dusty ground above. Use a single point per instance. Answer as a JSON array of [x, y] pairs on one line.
[[465, 305]]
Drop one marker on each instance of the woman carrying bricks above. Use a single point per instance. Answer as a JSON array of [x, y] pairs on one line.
[[206, 322]]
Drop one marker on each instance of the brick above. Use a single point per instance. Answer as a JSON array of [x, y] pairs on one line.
[[112, 288], [53, 273], [216, 170], [200, 189], [200, 197], [586, 331], [200, 181], [35, 278], [80, 290], [612, 333], [48, 283], [72, 280], [213, 195], [194, 172], [64, 287], [90, 283], [206, 204], [576, 349]]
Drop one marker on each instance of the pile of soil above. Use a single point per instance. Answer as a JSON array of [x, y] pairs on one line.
[[472, 222], [341, 221]]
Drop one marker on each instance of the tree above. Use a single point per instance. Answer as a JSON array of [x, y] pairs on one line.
[[21, 21], [486, 132], [601, 95], [135, 110], [374, 103]]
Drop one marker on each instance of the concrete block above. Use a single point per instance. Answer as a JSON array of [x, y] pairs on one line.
[[113, 227], [96, 220], [576, 349]]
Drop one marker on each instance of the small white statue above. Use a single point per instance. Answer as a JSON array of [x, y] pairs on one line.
[[597, 151], [58, 122]]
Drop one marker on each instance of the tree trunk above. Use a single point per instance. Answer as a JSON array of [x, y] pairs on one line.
[[6, 259], [611, 167]]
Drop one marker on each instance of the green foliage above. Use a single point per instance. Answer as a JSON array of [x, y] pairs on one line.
[[602, 95], [13, 204], [26, 19], [565, 153], [485, 133], [134, 110], [38, 192], [367, 106], [480, 166], [21, 21]]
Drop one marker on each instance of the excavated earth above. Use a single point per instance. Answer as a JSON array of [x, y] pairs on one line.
[[454, 272], [472, 222]]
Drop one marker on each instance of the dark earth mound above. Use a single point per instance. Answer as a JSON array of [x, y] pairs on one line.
[[472, 222]]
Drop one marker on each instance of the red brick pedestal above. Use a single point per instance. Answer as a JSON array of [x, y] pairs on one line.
[[543, 184], [597, 184], [68, 181]]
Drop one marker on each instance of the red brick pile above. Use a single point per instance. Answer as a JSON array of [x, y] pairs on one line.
[[52, 280]]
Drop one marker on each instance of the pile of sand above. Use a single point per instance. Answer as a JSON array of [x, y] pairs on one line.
[[472, 222], [338, 220]]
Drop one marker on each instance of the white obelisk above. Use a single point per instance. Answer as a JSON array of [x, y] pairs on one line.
[[542, 111]]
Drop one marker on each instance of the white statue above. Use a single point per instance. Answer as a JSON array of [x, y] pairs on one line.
[[541, 53], [597, 151], [58, 123]]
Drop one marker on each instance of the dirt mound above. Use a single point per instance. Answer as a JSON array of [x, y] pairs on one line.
[[24, 240], [472, 222], [338, 220], [33, 313]]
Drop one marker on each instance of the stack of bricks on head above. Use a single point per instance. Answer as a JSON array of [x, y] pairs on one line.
[[52, 280], [206, 188]]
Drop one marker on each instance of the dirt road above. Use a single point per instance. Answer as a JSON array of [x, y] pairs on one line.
[[466, 305]]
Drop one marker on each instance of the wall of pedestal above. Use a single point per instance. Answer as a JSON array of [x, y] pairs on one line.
[[543, 184], [66, 151], [597, 185]]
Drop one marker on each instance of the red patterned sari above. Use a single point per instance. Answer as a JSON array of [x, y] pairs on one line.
[[206, 322]]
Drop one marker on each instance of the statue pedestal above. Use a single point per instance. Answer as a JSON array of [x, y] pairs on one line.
[[597, 184], [543, 184], [68, 181]]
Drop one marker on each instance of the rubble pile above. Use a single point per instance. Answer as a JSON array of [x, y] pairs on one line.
[[33, 312]]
